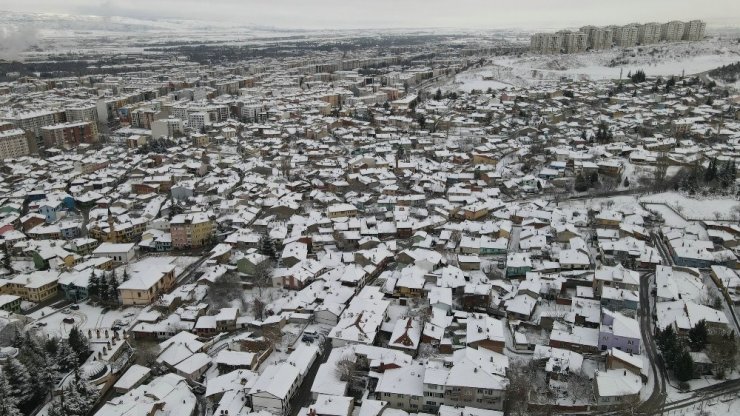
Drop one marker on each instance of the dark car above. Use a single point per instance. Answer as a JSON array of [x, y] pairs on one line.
[[68, 320]]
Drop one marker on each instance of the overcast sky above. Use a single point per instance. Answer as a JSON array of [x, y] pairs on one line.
[[346, 14]]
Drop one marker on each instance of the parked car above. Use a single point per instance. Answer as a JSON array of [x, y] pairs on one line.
[[68, 320], [74, 307]]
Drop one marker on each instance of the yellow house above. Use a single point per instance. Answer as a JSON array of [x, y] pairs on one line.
[[341, 210], [148, 279], [34, 287]]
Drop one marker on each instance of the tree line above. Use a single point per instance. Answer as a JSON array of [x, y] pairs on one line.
[[27, 379]]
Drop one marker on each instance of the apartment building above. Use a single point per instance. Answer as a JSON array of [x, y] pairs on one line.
[[191, 230], [598, 37], [574, 42], [649, 33], [13, 143], [70, 135], [694, 30], [593, 37], [168, 127], [82, 113], [546, 43], [199, 120], [672, 31], [626, 36]]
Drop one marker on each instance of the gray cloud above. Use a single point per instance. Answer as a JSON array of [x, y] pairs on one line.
[[345, 14], [16, 39]]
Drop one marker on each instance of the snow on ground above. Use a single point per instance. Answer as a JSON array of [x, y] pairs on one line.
[[627, 203], [723, 406], [181, 262], [697, 209], [88, 317], [475, 80], [672, 219], [660, 59]]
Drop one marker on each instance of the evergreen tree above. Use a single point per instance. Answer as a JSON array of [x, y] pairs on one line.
[[103, 289], [19, 380], [6, 259], [267, 247], [66, 358], [594, 179], [8, 402], [422, 121], [581, 185], [93, 286], [698, 336], [51, 346], [438, 95], [666, 339], [683, 368], [638, 76], [113, 289], [79, 344], [75, 399]]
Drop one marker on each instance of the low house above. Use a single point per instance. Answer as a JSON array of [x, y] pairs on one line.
[[483, 331], [122, 252], [613, 388], [620, 332], [228, 361], [148, 278]]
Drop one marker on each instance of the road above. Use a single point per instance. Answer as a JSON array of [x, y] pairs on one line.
[[657, 397], [303, 397], [187, 275]]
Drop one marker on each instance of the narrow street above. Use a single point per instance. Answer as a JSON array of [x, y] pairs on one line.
[[302, 397], [658, 396]]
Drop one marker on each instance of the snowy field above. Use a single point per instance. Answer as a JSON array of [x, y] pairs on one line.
[[684, 208], [672, 219], [725, 209], [475, 80], [660, 59], [51, 322]]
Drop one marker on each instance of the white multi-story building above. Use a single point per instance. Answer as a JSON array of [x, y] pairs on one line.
[[166, 127], [598, 37], [82, 113], [694, 30], [13, 143], [672, 31], [198, 120], [649, 33], [546, 42], [574, 42], [33, 120], [626, 36]]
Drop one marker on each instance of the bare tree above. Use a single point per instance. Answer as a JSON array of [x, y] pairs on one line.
[[580, 388], [346, 368], [262, 276], [224, 290], [629, 405], [146, 351], [522, 377], [258, 307], [285, 166]]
